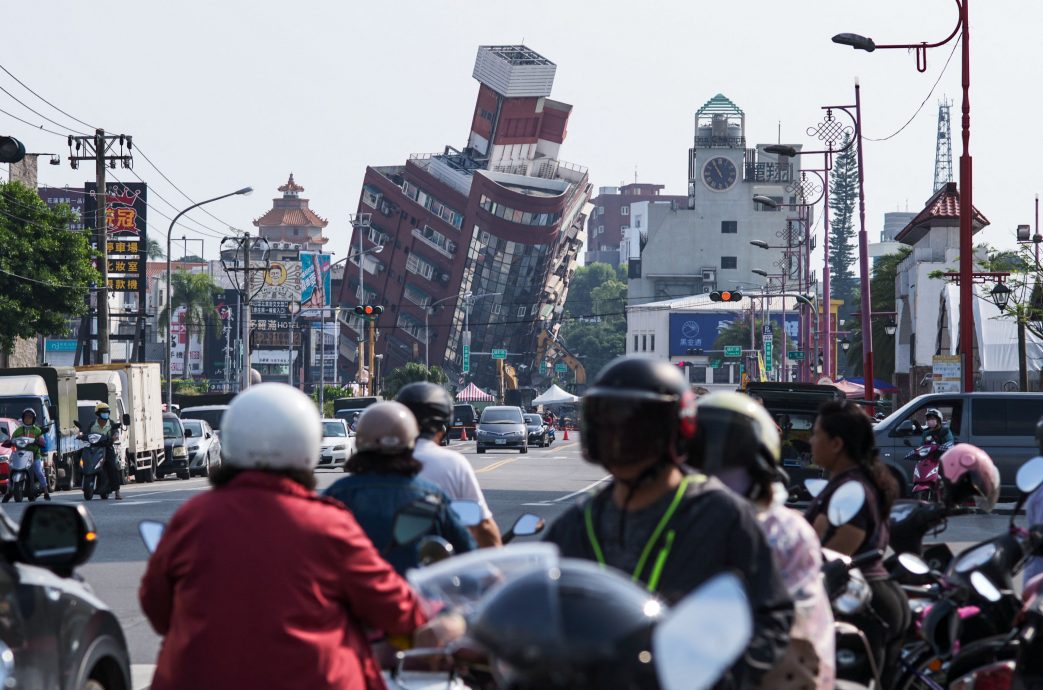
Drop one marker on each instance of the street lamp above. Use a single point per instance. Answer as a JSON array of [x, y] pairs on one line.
[[427, 339], [845, 344], [1000, 295], [966, 272], [245, 191], [783, 150], [761, 272], [891, 327], [760, 243], [765, 201]]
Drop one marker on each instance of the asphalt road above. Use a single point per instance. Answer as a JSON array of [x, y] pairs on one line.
[[544, 482]]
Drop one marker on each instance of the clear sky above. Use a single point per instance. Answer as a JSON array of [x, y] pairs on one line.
[[227, 93]]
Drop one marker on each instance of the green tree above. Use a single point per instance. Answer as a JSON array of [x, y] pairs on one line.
[[154, 250], [45, 270], [738, 333], [410, 373], [330, 394], [843, 197], [195, 292], [598, 335], [579, 301], [882, 289]]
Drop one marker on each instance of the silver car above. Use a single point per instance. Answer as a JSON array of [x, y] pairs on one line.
[[203, 446]]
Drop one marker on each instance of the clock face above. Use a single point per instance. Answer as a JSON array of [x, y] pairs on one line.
[[719, 174]]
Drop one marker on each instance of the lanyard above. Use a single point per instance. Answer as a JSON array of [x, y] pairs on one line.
[[660, 562]]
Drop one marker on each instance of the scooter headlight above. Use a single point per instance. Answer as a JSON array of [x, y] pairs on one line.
[[855, 596]]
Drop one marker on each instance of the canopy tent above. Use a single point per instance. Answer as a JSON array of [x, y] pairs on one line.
[[880, 385], [554, 396], [473, 394], [854, 390]]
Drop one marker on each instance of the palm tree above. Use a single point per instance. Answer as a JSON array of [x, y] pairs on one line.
[[154, 250], [194, 292]]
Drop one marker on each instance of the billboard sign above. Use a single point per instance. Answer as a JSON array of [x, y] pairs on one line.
[[127, 245], [315, 279], [700, 330]]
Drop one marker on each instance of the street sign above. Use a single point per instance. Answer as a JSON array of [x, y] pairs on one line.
[[61, 345], [795, 354], [716, 362], [543, 368], [466, 359], [560, 368], [766, 330], [769, 365], [499, 354], [733, 351]]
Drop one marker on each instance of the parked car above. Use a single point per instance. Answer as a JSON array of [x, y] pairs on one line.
[[55, 633], [1001, 424], [537, 430], [7, 427], [202, 445], [338, 443], [175, 451], [502, 427], [464, 415]]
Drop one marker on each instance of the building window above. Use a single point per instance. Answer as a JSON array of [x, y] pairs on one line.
[[625, 210], [521, 312], [652, 343], [601, 211], [729, 262], [635, 343], [644, 343], [729, 227], [496, 308], [416, 295], [414, 264], [601, 230]]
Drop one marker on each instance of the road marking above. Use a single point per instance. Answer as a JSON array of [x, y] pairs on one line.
[[141, 675], [496, 465], [566, 497]]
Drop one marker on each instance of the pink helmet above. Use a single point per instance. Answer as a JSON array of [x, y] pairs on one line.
[[971, 474]]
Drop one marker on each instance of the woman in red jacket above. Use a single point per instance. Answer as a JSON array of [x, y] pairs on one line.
[[261, 583]]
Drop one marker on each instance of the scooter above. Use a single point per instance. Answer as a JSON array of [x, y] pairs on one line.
[[92, 467], [927, 474], [22, 480]]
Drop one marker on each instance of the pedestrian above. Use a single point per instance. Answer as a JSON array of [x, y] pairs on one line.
[[261, 583], [446, 469], [842, 444], [383, 482], [737, 441], [669, 529]]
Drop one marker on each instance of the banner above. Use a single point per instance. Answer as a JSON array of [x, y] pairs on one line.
[[282, 283], [700, 330], [127, 245], [184, 349], [315, 279]]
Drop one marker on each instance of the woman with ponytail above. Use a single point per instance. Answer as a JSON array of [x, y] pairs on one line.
[[842, 444]]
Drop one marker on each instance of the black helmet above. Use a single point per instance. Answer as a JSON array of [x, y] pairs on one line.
[[575, 626], [28, 410], [637, 408], [429, 403]]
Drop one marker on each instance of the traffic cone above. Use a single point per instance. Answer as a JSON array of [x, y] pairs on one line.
[[463, 433], [566, 436]]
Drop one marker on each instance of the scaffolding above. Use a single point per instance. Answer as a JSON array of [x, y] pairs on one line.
[[943, 148]]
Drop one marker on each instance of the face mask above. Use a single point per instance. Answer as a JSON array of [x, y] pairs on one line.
[[932, 423], [104, 415]]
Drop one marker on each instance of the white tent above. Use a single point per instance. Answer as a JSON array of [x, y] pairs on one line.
[[554, 396]]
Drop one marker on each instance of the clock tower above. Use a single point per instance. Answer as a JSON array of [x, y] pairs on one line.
[[715, 162]]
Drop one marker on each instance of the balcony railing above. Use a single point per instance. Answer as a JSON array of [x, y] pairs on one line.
[[419, 234]]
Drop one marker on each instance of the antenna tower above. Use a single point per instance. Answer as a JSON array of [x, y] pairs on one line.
[[943, 148]]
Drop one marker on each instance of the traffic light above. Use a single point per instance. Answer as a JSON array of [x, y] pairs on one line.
[[369, 311], [726, 296], [11, 150]]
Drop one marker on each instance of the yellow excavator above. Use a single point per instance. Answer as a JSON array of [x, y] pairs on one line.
[[551, 350]]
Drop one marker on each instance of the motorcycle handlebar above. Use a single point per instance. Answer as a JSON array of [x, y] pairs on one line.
[[867, 557]]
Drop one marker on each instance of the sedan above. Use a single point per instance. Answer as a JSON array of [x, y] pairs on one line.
[[202, 445], [537, 430], [338, 443], [501, 427]]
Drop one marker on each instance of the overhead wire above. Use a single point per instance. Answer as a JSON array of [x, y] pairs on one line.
[[27, 88], [38, 113]]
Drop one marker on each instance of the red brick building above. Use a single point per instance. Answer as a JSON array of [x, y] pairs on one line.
[[611, 216]]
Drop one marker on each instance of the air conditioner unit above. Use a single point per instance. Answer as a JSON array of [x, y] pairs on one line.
[[451, 246], [707, 289], [710, 276]]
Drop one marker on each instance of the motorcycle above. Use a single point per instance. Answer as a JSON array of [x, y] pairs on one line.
[[927, 474], [22, 479], [92, 464]]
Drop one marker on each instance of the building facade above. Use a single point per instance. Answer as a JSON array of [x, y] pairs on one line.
[[485, 237], [611, 217], [678, 249]]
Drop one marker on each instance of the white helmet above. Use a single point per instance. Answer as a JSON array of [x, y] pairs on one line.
[[271, 426]]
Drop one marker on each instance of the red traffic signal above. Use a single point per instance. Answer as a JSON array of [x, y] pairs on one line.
[[11, 150], [726, 296], [369, 310]]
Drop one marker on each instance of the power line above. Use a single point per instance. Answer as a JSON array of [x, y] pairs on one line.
[[26, 87], [36, 112], [44, 282], [39, 127], [161, 174]]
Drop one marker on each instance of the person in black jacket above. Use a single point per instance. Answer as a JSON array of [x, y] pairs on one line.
[[667, 528]]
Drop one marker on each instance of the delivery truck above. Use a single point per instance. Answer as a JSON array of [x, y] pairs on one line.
[[133, 392], [51, 393]]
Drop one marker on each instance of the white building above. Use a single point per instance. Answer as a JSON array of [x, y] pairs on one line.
[[934, 235], [674, 251]]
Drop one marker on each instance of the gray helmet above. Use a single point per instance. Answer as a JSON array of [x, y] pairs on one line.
[[386, 427], [936, 413]]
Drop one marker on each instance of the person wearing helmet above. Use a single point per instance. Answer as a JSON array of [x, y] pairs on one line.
[[28, 427], [384, 481], [842, 443], [446, 469], [737, 441], [299, 583], [106, 428], [663, 526], [936, 430]]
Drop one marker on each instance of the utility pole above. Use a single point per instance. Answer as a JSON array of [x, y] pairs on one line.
[[228, 349], [372, 353], [96, 148], [244, 322]]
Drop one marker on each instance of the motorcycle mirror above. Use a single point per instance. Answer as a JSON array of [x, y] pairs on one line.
[[76, 423], [469, 513], [914, 564], [126, 419], [1030, 475], [846, 503], [527, 525], [983, 586], [412, 522], [703, 635], [434, 550], [815, 486], [150, 532]]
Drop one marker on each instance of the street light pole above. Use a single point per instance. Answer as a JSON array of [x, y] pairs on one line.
[[427, 339], [170, 307], [863, 260]]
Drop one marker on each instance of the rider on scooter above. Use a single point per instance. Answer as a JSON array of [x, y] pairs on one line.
[[937, 432], [29, 428], [104, 427]]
